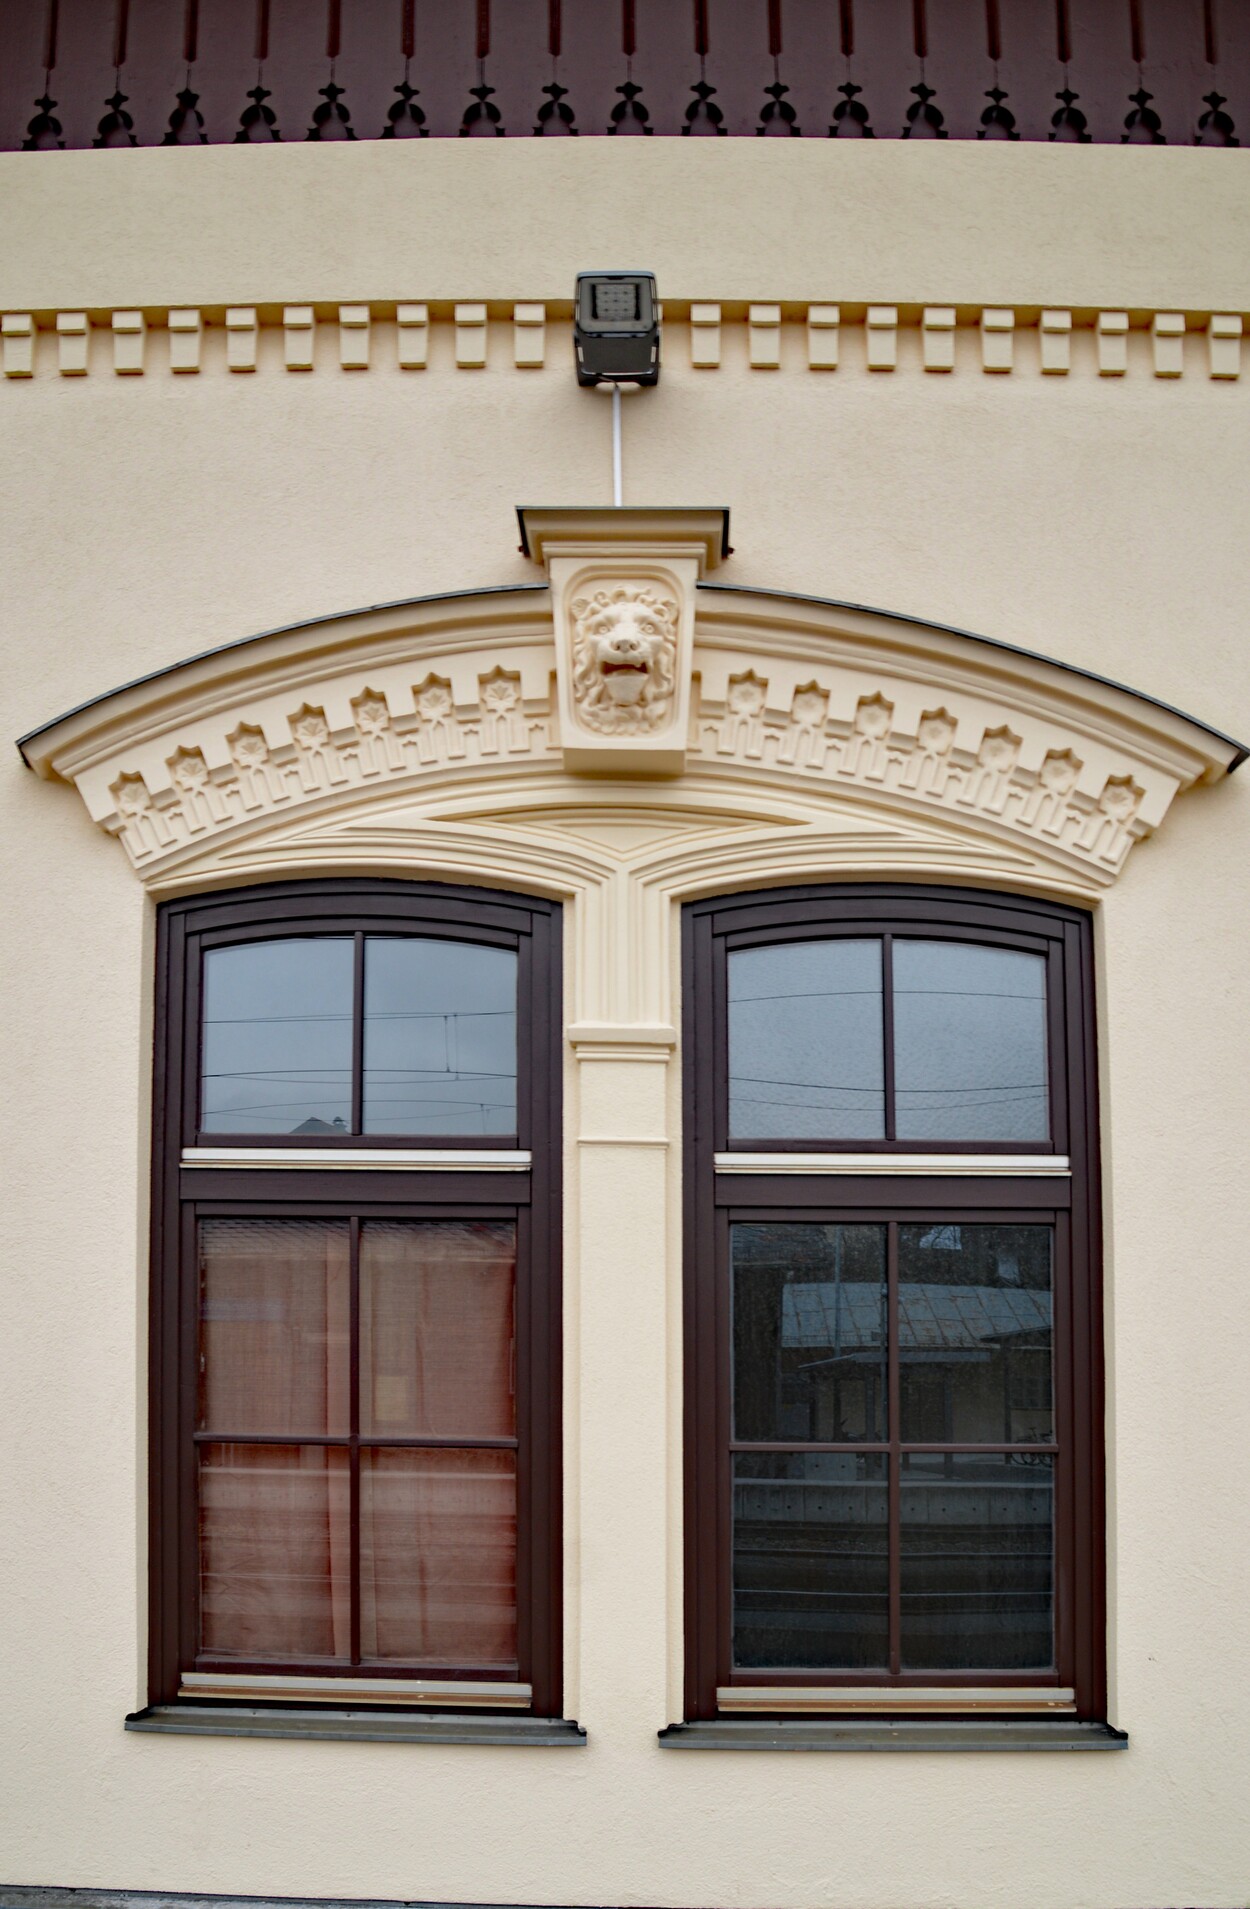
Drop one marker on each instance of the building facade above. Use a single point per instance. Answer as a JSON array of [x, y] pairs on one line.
[[625, 1120]]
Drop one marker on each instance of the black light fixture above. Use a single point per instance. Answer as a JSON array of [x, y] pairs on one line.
[[616, 328]]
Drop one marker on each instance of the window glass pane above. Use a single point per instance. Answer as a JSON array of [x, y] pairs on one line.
[[437, 1342], [809, 1332], [974, 1327], [805, 1051], [977, 1561], [275, 1551], [277, 1046], [438, 1558], [969, 1042], [440, 1037], [810, 1561], [275, 1299]]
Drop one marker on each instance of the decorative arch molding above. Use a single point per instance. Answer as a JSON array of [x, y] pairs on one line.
[[782, 738]]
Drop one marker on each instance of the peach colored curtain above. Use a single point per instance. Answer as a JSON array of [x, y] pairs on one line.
[[438, 1527], [275, 1520], [275, 1559], [438, 1558], [437, 1345]]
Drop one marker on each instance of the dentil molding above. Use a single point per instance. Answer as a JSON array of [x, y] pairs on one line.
[[627, 734], [475, 335]]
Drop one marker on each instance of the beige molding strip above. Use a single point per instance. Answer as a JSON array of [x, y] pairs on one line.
[[369, 1690], [804, 1699], [611, 1041], [983, 1165], [475, 335], [360, 1159]]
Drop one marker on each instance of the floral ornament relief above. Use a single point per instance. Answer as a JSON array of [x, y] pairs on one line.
[[379, 747], [439, 736], [865, 753], [624, 659], [1117, 806], [202, 804], [503, 720], [317, 754], [806, 743], [1047, 806], [628, 665], [986, 785], [928, 764], [259, 780], [137, 814], [928, 770], [745, 700]]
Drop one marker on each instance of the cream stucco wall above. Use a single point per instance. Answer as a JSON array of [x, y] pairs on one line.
[[1100, 519]]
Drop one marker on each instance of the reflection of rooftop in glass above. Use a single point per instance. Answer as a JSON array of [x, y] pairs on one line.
[[824, 1314]]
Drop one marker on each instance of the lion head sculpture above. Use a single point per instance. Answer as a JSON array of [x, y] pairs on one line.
[[624, 659]]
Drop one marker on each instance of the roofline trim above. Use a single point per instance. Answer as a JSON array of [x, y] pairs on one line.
[[260, 636], [1241, 750], [990, 642]]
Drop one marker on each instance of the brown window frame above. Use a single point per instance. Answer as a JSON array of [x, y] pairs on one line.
[[713, 927], [186, 928]]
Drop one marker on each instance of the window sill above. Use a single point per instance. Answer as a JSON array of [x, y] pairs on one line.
[[355, 1726], [894, 1733]]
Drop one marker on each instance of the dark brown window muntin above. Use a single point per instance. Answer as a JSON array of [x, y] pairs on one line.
[[1067, 1199], [184, 1194]]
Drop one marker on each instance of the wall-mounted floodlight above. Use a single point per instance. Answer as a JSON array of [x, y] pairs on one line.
[[616, 328]]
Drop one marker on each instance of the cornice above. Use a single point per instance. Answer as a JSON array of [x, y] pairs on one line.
[[282, 660], [818, 732], [937, 654], [476, 334]]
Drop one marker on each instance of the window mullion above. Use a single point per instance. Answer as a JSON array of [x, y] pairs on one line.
[[358, 1036], [894, 1462], [887, 1034], [354, 1457]]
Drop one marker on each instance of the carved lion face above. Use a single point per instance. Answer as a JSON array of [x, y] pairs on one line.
[[624, 659]]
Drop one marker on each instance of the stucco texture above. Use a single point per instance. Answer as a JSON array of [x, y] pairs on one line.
[[1103, 521]]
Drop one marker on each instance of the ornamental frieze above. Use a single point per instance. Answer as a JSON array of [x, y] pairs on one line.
[[632, 677]]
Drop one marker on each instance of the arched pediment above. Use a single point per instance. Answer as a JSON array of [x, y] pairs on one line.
[[775, 735]]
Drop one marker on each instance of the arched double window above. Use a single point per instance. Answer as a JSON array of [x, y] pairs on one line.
[[893, 1353], [356, 1299], [893, 1361]]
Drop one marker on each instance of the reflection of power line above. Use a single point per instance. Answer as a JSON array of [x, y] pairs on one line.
[[377, 1083], [288, 1107], [936, 994], [266, 1020], [297, 1076], [439, 1014], [743, 1106], [371, 1014], [807, 994], [308, 1076], [820, 1087], [846, 1087], [976, 994]]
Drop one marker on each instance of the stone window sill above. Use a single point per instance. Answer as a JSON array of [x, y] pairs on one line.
[[356, 1726], [894, 1733]]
